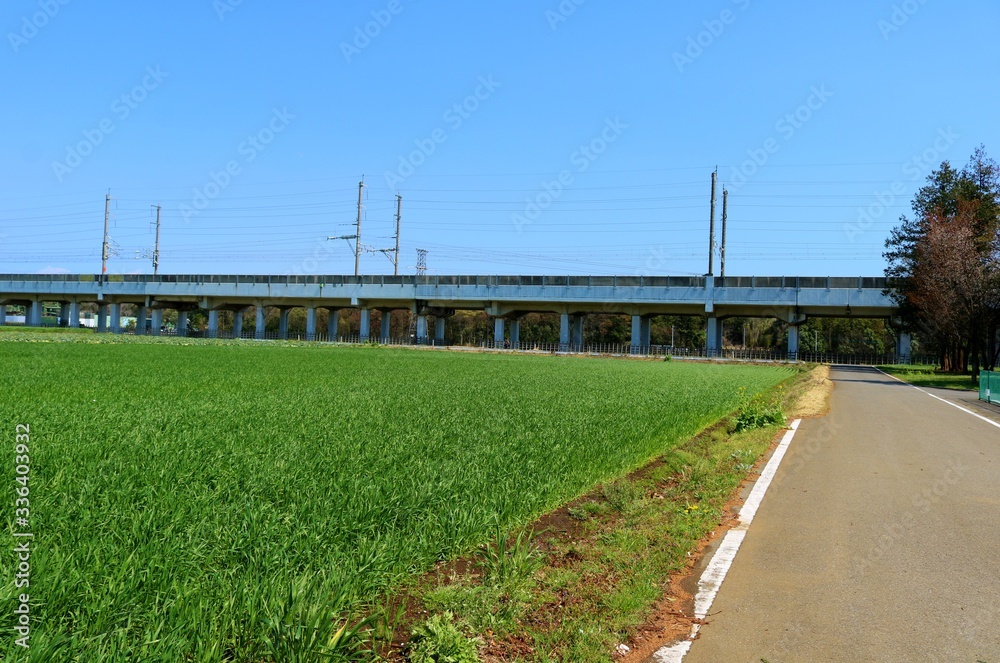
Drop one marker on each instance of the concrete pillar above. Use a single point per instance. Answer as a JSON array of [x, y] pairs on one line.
[[310, 323], [259, 328], [283, 323], [640, 334], [498, 336], [515, 334], [439, 330], [576, 333], [903, 348], [64, 314], [141, 318], [421, 329], [564, 332], [157, 321], [116, 318], [37, 308], [102, 318], [793, 342], [713, 337], [646, 331], [74, 314], [3, 314], [182, 323], [213, 324], [386, 330], [332, 324], [366, 325], [238, 323]]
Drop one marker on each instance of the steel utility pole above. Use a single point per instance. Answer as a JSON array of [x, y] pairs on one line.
[[357, 242], [156, 248], [104, 246], [711, 226], [725, 209], [399, 217]]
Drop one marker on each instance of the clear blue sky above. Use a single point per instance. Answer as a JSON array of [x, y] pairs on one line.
[[608, 117]]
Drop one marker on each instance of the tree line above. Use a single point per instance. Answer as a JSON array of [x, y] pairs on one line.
[[943, 265]]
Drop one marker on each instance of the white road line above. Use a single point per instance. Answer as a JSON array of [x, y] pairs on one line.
[[943, 400], [711, 579]]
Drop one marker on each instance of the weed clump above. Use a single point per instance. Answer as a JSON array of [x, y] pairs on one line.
[[759, 413], [441, 640]]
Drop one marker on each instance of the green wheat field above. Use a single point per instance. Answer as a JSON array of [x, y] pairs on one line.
[[201, 501]]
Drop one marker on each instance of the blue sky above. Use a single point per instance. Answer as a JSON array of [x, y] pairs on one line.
[[524, 137]]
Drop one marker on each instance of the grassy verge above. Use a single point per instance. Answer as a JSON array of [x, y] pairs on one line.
[[600, 568], [28, 331], [928, 376]]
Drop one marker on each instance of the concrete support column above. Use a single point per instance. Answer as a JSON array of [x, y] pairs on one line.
[[283, 323], [116, 318], [903, 348], [64, 314], [576, 333], [332, 325], [141, 318], [793, 342], [157, 321], [366, 325], [238, 323], [386, 330], [213, 324], [515, 334], [310, 323], [37, 308], [439, 330], [74, 314], [3, 314], [498, 335], [421, 329], [259, 328], [102, 318], [640, 334], [182, 323], [564, 332], [713, 337]]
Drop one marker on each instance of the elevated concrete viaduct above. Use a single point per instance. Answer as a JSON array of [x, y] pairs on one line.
[[506, 298]]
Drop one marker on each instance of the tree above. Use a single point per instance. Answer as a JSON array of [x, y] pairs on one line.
[[944, 264]]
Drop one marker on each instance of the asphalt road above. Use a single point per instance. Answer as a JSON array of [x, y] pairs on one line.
[[879, 539]]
